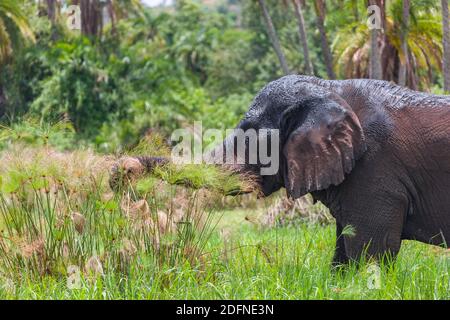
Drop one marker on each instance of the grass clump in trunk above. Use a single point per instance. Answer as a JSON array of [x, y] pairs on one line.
[[220, 179], [205, 176]]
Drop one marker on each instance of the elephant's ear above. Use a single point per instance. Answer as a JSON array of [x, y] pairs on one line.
[[321, 140]]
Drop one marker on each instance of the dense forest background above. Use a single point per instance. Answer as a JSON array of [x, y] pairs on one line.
[[132, 69]]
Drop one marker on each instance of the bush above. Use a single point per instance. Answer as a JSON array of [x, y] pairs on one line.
[[88, 88]]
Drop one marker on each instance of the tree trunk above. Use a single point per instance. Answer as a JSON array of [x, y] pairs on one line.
[[375, 70], [51, 13], [112, 16], [91, 17], [320, 19], [446, 42], [2, 102], [273, 37], [355, 10], [404, 65], [302, 36]]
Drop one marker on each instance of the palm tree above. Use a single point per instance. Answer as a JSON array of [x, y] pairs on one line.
[[446, 44], [273, 37], [320, 8], [123, 8], [352, 44], [92, 13], [52, 13], [112, 15], [91, 17], [376, 37], [302, 35], [13, 28], [404, 59]]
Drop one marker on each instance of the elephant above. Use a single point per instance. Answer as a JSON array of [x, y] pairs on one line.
[[375, 153]]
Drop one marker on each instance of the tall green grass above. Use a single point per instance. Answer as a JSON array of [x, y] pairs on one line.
[[284, 263]]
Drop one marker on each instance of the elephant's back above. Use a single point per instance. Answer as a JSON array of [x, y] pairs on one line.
[[424, 134], [392, 96], [414, 118]]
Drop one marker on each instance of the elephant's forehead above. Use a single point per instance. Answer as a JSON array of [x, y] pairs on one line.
[[284, 92]]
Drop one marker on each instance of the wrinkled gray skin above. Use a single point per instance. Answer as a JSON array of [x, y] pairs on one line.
[[376, 154]]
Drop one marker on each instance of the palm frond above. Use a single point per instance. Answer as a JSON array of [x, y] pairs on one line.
[[11, 18], [5, 43]]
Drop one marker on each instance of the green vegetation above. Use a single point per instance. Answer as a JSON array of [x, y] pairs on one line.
[[206, 176], [244, 262], [159, 69]]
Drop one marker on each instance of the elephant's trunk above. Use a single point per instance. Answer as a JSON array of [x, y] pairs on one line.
[[130, 168]]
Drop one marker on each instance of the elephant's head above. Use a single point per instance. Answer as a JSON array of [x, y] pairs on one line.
[[320, 136]]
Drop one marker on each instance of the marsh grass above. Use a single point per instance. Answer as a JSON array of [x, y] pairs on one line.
[[280, 263], [30, 130], [57, 214]]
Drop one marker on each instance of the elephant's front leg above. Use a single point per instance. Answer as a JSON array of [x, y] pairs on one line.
[[375, 234], [372, 225]]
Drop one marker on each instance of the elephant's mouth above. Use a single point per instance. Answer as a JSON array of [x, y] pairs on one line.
[[262, 185], [250, 180], [270, 184]]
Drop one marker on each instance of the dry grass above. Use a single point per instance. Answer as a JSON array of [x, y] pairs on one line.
[[57, 212], [50, 169], [287, 211]]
